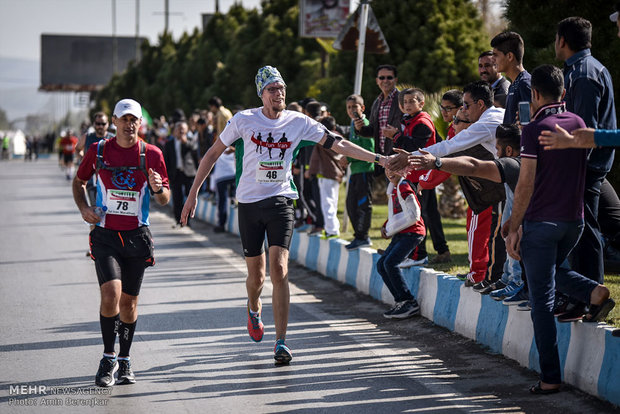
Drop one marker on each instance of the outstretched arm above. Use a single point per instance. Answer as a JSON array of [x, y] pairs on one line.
[[561, 139], [351, 150], [463, 166]]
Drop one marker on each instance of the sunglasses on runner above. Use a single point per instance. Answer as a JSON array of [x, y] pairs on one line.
[[385, 77]]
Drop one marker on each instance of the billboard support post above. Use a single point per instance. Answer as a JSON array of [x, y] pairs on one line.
[[359, 66]]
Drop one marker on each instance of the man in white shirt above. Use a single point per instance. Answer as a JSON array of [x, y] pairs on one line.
[[265, 192], [481, 222]]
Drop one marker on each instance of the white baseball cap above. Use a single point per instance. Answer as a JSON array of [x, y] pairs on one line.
[[127, 106], [614, 17]]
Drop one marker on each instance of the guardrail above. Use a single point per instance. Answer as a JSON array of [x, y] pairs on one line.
[[589, 354]]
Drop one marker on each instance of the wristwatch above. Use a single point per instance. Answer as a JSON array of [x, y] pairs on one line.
[[438, 163]]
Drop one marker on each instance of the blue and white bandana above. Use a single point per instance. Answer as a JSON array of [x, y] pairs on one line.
[[265, 76]]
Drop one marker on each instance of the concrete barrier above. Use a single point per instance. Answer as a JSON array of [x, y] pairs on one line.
[[589, 355]]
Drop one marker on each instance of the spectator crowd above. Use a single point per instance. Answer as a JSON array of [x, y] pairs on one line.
[[534, 233]]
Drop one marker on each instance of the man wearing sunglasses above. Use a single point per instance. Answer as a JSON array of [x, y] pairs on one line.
[[100, 122], [384, 111]]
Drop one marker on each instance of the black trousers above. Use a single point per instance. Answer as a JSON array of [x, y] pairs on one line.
[[359, 203], [179, 187], [497, 247], [432, 220], [587, 257]]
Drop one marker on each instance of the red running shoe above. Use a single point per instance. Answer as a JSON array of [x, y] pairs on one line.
[[256, 329]]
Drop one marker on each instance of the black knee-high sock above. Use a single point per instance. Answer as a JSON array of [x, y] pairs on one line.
[[109, 327], [125, 337]]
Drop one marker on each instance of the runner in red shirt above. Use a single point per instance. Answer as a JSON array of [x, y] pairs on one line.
[[121, 243], [67, 146]]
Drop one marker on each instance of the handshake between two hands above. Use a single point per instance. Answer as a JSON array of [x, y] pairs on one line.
[[403, 162]]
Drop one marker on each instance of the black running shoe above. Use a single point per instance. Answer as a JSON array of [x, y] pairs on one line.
[[125, 373], [490, 287], [105, 374]]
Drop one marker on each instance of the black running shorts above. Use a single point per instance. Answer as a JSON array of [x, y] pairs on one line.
[[122, 255], [67, 158], [274, 215]]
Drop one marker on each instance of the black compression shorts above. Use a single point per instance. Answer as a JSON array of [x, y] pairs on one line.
[[122, 255], [274, 215]]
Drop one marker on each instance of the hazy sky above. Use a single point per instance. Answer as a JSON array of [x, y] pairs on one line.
[[23, 21]]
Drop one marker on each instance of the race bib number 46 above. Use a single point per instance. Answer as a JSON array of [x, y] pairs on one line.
[[270, 172], [122, 202]]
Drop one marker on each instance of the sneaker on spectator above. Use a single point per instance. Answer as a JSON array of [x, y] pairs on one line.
[[442, 258], [507, 292], [388, 314], [408, 262], [326, 236], [256, 329], [517, 299], [490, 287], [574, 313], [405, 309], [525, 306], [105, 374], [357, 243], [282, 353], [468, 278], [316, 231]]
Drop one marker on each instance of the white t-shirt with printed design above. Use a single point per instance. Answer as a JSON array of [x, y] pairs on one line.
[[266, 147]]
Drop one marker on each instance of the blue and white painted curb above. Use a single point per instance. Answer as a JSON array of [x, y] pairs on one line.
[[589, 355]]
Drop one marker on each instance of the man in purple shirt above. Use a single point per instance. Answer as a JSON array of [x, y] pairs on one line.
[[548, 202]]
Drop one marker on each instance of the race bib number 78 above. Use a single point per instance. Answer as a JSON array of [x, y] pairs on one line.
[[122, 202]]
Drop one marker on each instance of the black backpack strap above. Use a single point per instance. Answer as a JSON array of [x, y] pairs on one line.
[[100, 146], [143, 165]]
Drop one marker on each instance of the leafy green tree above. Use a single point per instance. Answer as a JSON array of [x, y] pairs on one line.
[[433, 43]]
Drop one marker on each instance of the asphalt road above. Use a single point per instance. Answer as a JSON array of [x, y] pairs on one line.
[[191, 351]]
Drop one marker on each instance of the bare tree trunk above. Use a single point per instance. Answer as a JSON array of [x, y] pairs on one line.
[[451, 202]]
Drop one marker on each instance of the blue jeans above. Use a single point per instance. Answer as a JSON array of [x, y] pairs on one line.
[[512, 267], [400, 247], [544, 248]]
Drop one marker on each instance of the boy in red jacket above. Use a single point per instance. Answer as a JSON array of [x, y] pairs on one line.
[[404, 241], [418, 131]]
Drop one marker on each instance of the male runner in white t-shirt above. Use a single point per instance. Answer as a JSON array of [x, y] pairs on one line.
[[265, 191]]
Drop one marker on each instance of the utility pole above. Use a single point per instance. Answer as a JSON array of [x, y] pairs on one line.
[[166, 14], [137, 30], [114, 39]]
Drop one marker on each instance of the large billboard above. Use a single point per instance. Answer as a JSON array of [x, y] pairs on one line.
[[322, 18], [84, 63]]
